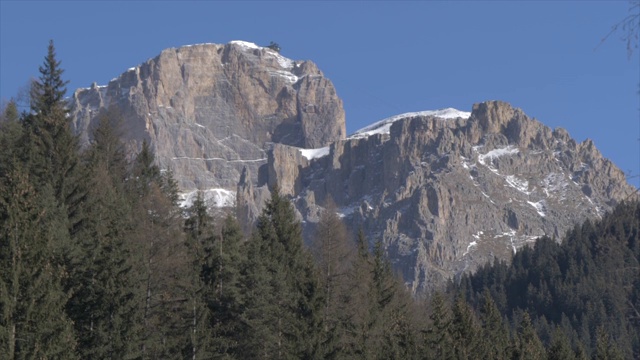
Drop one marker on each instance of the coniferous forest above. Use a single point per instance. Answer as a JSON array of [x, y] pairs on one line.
[[97, 261]]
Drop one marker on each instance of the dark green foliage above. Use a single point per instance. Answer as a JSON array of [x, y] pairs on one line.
[[47, 94], [560, 347], [333, 253], [163, 267], [52, 150], [274, 46], [527, 343], [104, 303], [495, 342], [97, 261], [589, 281], [9, 112], [32, 319], [437, 338], [282, 296], [465, 332]]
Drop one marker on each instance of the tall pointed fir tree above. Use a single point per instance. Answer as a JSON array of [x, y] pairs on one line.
[[438, 342], [52, 150], [161, 260], [221, 272], [199, 229], [357, 319], [394, 331], [104, 303], [527, 342], [333, 251], [281, 291], [464, 330], [33, 324], [495, 335]]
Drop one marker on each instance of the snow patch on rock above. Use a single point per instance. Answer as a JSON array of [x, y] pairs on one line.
[[311, 154], [384, 126], [213, 198]]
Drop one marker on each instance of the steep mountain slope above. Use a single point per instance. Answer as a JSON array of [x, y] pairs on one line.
[[446, 191], [210, 110]]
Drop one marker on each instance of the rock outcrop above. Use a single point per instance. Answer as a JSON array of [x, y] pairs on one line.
[[209, 111], [447, 191], [444, 191]]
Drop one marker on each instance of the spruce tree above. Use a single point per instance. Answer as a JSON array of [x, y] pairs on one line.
[[356, 317], [281, 292], [528, 344], [393, 329], [560, 347], [33, 323], [161, 261], [52, 150], [332, 251], [438, 342], [104, 303], [464, 330], [198, 228], [495, 342]]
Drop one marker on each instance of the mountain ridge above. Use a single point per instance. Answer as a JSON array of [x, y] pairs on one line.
[[443, 190]]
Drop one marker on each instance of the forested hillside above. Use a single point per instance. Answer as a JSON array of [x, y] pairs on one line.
[[97, 261]]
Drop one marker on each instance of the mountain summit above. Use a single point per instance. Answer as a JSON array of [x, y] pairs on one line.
[[210, 110], [444, 191]]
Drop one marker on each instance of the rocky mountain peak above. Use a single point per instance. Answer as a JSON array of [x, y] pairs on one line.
[[446, 191], [210, 110]]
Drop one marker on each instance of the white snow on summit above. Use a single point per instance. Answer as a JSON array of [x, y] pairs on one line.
[[384, 126], [245, 44]]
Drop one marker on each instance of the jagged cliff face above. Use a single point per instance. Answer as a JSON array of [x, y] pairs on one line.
[[210, 110], [446, 192]]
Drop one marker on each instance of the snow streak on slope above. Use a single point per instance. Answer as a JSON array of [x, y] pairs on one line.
[[314, 153], [216, 198], [384, 126]]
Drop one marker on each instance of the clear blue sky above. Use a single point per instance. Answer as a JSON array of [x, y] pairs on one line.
[[384, 58]]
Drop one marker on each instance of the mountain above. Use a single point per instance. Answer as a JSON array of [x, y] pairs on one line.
[[209, 110], [444, 191]]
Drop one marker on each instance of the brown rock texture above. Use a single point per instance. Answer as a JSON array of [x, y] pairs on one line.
[[208, 111], [445, 196]]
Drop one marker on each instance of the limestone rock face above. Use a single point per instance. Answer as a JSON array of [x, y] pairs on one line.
[[445, 194], [444, 191], [209, 111]]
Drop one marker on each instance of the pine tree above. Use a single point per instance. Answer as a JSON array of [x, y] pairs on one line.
[[198, 228], [528, 344], [52, 149], [221, 272], [333, 254], [47, 95], [495, 336], [464, 330], [393, 330], [605, 348], [281, 291], [104, 304], [356, 317], [10, 139], [161, 261], [438, 342], [560, 347], [33, 323]]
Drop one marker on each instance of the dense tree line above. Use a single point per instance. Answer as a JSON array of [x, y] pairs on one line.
[[97, 261]]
